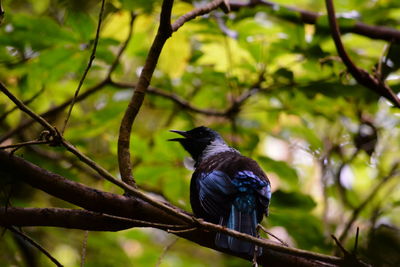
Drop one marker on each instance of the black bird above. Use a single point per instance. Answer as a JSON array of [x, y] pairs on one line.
[[226, 188]]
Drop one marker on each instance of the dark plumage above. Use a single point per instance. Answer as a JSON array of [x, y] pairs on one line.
[[226, 187]]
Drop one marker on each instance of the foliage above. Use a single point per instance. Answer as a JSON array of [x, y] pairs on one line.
[[307, 124]]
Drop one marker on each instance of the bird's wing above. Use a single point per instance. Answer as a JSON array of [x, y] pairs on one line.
[[245, 180], [215, 192]]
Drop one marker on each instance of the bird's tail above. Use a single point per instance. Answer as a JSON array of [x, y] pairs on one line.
[[242, 222]]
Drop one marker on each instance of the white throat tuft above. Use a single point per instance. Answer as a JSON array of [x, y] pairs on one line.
[[215, 147]]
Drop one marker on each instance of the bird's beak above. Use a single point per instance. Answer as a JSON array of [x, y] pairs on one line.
[[183, 133]]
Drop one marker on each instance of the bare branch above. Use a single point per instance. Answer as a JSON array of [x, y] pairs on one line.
[[119, 205], [36, 245], [27, 110], [195, 13], [165, 30], [184, 104], [89, 65], [123, 46], [57, 109], [28, 143], [165, 250], [27, 102], [84, 247], [124, 156]]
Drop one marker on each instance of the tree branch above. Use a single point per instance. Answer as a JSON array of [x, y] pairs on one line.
[[89, 65], [195, 13], [35, 244], [57, 109], [361, 76], [309, 17], [123, 46], [165, 31], [393, 173], [98, 201], [182, 103], [27, 102]]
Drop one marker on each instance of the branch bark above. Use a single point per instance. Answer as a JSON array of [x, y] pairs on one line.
[[124, 156], [102, 202], [310, 17], [361, 76], [165, 31]]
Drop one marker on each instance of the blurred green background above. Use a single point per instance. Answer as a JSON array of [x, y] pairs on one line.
[[329, 146]]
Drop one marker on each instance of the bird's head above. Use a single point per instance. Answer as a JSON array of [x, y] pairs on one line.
[[200, 141]]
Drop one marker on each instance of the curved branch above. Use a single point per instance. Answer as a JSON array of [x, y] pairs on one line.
[[165, 31], [124, 156], [361, 76], [195, 13], [309, 17]]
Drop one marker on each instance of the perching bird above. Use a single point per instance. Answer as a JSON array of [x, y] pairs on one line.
[[226, 188]]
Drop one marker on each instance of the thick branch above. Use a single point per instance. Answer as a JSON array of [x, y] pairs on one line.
[[164, 32], [103, 202]]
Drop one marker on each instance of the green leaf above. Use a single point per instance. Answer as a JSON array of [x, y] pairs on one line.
[[286, 174], [292, 200], [81, 24]]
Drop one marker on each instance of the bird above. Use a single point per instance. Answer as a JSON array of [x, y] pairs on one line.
[[226, 187]]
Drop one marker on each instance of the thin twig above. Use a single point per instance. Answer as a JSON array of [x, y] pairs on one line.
[[393, 173], [356, 241], [195, 13], [165, 250], [28, 143], [27, 102], [84, 247], [340, 246], [182, 231], [36, 245], [57, 109], [27, 110], [271, 234], [184, 104], [147, 223], [89, 65], [123, 46]]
